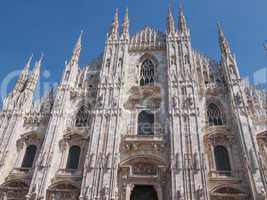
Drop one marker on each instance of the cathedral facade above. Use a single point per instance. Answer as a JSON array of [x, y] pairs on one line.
[[150, 119]]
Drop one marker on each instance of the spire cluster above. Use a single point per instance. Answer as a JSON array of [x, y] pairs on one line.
[[113, 33], [170, 21], [125, 23], [182, 26]]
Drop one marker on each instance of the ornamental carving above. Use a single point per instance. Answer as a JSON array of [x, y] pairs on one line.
[[148, 38], [144, 169]]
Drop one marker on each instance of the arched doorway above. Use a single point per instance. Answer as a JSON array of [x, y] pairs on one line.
[[144, 192]]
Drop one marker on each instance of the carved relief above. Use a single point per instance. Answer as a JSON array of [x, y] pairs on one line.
[[144, 169]]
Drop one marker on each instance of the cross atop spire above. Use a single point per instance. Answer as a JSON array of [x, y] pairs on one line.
[[224, 45], [170, 21], [115, 24], [125, 24]]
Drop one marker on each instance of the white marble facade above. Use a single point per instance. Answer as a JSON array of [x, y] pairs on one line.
[[150, 119]]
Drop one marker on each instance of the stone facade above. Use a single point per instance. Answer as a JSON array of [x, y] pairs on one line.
[[150, 119]]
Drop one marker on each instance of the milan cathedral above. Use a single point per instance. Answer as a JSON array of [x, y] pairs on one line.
[[150, 119]]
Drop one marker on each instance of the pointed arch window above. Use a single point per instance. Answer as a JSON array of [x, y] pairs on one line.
[[215, 116], [29, 156], [222, 160], [147, 73], [82, 117], [67, 75], [146, 123], [73, 157]]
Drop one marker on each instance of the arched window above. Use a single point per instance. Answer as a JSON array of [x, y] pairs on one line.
[[147, 73], [215, 116], [145, 123], [29, 156], [74, 157], [222, 160], [206, 79], [108, 63], [82, 117], [186, 59]]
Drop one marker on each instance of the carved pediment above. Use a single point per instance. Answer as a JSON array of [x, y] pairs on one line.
[[14, 189], [148, 96], [148, 38], [144, 169], [75, 132], [33, 136], [218, 135], [262, 137], [228, 193]]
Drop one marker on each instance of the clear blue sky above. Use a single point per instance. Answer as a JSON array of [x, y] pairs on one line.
[[52, 26]]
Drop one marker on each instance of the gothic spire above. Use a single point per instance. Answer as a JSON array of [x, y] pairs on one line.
[[76, 50], [33, 78], [115, 24], [170, 21], [224, 45], [27, 65], [23, 76], [182, 21], [125, 23]]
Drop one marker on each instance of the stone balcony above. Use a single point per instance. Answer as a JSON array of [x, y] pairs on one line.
[[209, 130], [149, 96], [21, 173], [231, 175], [217, 134], [138, 145], [69, 173]]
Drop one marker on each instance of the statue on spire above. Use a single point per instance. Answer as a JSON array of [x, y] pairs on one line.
[[125, 23], [115, 25], [182, 22], [23, 76], [170, 21], [33, 78], [224, 45], [76, 51]]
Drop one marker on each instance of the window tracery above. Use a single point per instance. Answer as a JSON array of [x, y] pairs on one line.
[[215, 117], [82, 117], [147, 73]]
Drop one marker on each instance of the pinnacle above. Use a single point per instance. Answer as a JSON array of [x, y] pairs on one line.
[[27, 65]]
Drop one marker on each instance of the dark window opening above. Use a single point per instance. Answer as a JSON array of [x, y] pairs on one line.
[[74, 157], [144, 192], [222, 160], [215, 116], [146, 123], [29, 156]]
